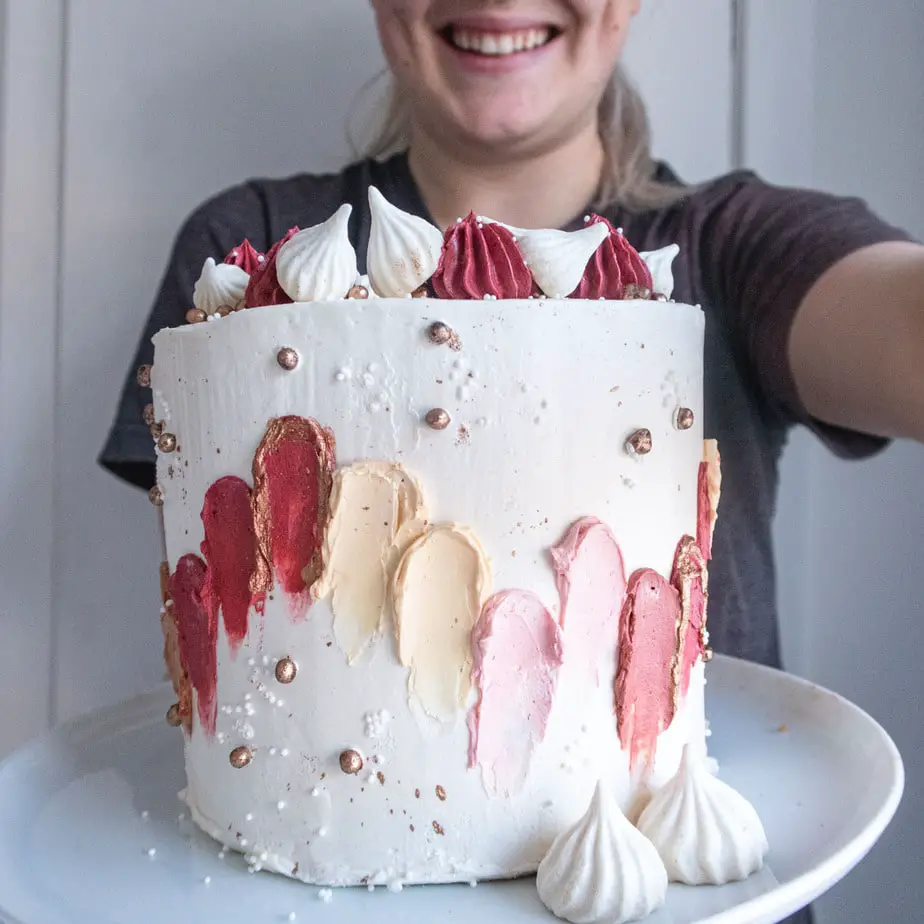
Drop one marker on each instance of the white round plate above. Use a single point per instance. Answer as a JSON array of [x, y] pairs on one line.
[[81, 808]]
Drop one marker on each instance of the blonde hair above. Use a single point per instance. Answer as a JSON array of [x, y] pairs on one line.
[[628, 174]]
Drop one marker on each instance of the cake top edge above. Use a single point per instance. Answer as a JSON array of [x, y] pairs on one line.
[[439, 312], [476, 258]]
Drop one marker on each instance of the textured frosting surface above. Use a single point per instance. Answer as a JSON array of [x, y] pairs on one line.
[[705, 832], [540, 401], [602, 870]]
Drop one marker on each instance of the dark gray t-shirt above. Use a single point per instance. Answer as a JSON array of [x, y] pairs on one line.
[[749, 253]]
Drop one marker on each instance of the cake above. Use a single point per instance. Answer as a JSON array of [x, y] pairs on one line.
[[436, 543]]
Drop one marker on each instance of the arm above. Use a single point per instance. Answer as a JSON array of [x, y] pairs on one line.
[[856, 346]]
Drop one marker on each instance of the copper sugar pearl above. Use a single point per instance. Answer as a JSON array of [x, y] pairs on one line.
[[156, 496], [241, 757], [684, 418], [143, 375], [148, 415], [358, 292], [288, 359], [439, 333], [286, 670], [438, 418], [639, 443], [174, 717], [196, 316], [351, 762], [166, 442], [633, 291]]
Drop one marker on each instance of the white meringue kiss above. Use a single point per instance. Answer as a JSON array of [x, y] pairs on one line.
[[558, 259], [319, 263], [659, 264], [705, 832], [220, 284], [602, 869], [404, 250]]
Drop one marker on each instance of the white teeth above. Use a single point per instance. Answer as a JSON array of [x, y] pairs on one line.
[[505, 43]]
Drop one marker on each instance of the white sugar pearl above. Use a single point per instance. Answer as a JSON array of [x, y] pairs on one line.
[[145, 816], [248, 816], [152, 852], [280, 805], [285, 751], [207, 880]]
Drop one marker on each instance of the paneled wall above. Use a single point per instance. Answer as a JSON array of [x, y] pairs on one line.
[[119, 116]]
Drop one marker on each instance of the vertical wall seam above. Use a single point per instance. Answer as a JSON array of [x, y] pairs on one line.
[[55, 629], [739, 25]]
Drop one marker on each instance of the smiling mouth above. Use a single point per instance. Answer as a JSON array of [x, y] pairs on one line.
[[498, 44]]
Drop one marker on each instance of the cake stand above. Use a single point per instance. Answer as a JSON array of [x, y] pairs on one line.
[[91, 831]]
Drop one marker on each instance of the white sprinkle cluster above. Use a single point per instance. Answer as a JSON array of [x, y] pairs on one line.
[[395, 886], [376, 722], [152, 852], [326, 895], [245, 730]]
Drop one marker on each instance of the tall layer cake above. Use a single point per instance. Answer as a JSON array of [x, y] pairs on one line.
[[436, 543]]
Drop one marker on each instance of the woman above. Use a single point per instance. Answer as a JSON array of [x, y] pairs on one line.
[[512, 108]]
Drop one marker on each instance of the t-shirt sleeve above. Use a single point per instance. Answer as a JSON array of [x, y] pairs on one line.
[[763, 248], [212, 231]]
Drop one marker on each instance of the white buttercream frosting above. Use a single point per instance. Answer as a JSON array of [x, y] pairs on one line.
[[705, 832], [220, 284], [404, 250], [659, 264], [602, 869], [558, 259], [319, 263]]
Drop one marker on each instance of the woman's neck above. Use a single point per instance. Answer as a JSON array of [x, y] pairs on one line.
[[545, 190]]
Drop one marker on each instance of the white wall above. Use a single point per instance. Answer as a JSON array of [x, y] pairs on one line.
[[116, 122]]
